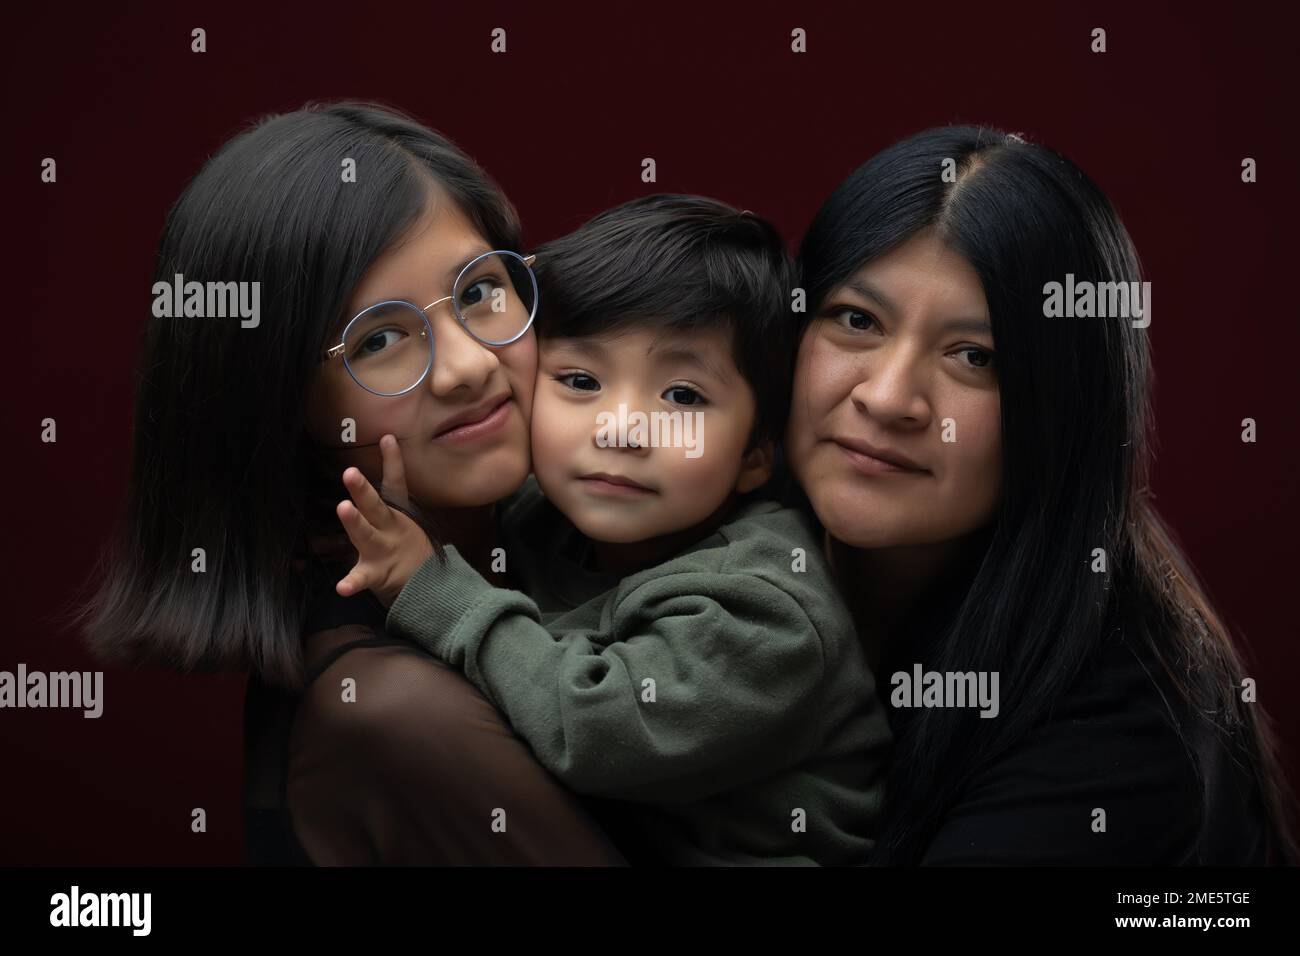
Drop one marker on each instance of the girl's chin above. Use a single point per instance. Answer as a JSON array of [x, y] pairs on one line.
[[472, 487]]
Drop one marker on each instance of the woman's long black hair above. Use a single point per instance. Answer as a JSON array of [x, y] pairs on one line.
[[220, 458], [1075, 413]]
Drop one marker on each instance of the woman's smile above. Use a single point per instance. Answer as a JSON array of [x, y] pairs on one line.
[[874, 461]]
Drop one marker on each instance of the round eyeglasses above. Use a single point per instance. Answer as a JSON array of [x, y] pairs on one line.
[[387, 348]]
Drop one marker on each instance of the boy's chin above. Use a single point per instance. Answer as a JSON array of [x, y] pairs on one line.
[[613, 529], [625, 529]]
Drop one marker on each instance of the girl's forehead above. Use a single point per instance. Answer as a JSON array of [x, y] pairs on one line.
[[424, 260]]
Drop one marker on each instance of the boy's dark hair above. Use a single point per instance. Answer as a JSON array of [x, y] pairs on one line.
[[679, 263]]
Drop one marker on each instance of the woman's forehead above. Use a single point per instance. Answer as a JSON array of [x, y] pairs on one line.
[[922, 275]]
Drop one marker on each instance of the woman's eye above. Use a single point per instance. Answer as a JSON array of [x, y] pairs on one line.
[[377, 342], [853, 320], [579, 381], [683, 395], [977, 357]]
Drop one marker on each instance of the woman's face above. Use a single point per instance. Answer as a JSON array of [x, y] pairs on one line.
[[464, 431], [894, 430]]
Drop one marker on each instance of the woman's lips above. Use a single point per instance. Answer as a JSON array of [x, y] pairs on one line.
[[488, 425], [868, 465]]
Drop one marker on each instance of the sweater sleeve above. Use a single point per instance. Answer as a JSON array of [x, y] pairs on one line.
[[695, 682]]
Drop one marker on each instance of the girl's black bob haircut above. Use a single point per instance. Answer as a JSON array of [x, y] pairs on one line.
[[221, 460]]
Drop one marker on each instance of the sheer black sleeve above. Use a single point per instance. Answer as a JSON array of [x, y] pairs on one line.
[[396, 759]]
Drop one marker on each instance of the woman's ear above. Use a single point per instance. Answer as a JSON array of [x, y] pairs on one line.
[[756, 468]]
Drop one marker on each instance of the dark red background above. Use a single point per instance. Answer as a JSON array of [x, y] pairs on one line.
[[1161, 121]]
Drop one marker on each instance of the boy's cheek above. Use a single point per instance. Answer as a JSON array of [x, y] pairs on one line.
[[695, 487], [550, 449], [538, 414]]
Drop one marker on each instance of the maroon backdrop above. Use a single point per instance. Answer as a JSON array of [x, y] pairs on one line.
[[1162, 121]]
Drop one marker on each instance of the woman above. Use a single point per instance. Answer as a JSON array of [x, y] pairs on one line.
[[980, 470], [370, 240]]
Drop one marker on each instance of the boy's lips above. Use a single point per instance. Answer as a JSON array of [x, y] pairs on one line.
[[619, 485]]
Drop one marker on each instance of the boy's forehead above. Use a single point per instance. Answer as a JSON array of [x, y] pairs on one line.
[[707, 348]]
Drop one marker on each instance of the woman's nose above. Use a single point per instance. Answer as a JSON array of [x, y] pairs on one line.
[[892, 389]]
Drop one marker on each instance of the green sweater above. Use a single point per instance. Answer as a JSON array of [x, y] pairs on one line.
[[723, 693]]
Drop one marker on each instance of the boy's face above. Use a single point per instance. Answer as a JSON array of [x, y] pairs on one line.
[[700, 458]]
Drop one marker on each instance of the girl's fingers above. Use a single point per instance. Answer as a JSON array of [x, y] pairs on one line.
[[394, 480], [367, 500]]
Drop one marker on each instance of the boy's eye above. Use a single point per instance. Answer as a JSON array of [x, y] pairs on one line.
[[683, 395], [579, 381]]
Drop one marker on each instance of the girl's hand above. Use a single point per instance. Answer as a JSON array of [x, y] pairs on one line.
[[390, 546]]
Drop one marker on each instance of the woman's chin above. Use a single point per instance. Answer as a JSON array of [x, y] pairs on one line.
[[852, 522]]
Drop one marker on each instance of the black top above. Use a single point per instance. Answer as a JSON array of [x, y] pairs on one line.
[[1111, 744]]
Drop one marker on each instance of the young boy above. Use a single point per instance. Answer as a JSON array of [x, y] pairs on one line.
[[681, 651]]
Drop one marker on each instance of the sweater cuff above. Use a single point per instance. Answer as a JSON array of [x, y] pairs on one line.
[[435, 599]]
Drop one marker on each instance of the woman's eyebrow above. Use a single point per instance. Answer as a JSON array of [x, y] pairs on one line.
[[967, 325], [868, 291]]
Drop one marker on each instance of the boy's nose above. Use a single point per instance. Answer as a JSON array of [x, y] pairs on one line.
[[615, 429], [633, 448], [627, 445]]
